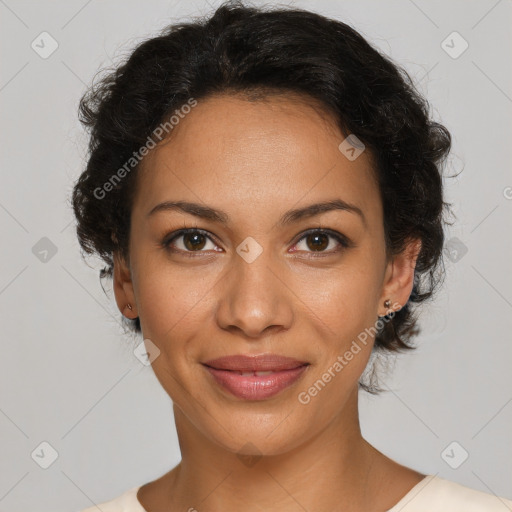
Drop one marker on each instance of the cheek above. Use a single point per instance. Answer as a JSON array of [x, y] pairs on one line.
[[345, 298], [170, 304]]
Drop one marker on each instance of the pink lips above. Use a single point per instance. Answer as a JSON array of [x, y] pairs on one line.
[[255, 377]]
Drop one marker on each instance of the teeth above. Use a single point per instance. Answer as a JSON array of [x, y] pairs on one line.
[[257, 374]]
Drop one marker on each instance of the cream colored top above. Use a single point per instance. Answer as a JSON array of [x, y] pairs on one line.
[[432, 494]]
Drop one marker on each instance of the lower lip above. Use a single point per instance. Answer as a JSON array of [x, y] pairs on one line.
[[254, 387]]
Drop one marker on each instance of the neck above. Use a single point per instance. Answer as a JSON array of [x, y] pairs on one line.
[[332, 468]]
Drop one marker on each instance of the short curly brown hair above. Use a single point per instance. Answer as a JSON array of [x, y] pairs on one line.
[[241, 49]]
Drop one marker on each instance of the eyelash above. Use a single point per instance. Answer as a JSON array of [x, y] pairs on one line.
[[342, 240]]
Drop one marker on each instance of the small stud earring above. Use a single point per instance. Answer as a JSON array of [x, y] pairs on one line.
[[129, 306], [387, 303]]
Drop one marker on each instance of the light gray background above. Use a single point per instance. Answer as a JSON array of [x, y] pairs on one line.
[[67, 373]]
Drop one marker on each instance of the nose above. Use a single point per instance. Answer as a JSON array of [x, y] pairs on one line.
[[253, 299]]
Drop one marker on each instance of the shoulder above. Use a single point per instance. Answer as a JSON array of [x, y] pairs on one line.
[[126, 502], [435, 494]]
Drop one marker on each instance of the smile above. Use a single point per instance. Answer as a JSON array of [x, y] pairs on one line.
[[255, 377]]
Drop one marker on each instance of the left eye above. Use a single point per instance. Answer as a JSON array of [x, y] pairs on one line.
[[195, 240], [318, 241]]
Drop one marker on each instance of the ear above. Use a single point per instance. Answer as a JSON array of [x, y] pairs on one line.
[[123, 287], [399, 278]]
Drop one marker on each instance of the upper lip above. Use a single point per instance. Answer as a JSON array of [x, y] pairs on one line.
[[251, 363]]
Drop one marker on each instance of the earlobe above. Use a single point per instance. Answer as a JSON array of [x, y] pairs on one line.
[[123, 287], [400, 276]]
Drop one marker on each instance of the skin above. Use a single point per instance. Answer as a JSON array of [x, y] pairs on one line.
[[255, 160]]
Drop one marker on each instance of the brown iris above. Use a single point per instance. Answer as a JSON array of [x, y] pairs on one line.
[[194, 241], [320, 241]]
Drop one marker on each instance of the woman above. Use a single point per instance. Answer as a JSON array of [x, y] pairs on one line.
[[265, 188]]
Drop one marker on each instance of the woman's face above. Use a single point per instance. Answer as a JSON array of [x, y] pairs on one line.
[[255, 281]]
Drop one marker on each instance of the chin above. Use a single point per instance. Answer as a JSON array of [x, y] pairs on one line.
[[259, 434]]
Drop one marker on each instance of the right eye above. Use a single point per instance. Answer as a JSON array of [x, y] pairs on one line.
[[190, 240]]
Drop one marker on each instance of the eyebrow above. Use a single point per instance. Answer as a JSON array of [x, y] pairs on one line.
[[290, 217]]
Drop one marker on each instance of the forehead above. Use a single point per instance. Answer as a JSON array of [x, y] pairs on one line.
[[229, 152]]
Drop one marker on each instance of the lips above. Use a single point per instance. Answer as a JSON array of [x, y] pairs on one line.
[[251, 364], [255, 377]]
